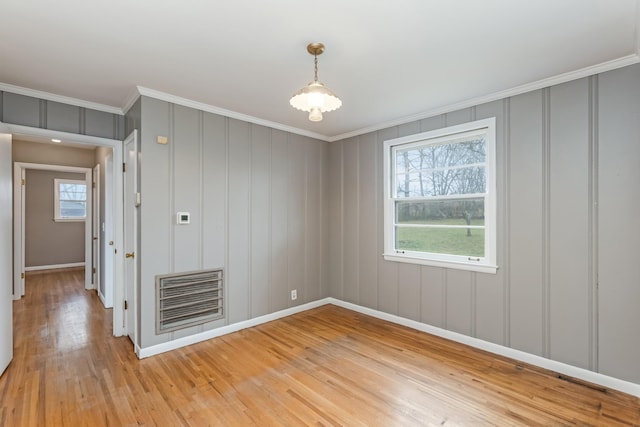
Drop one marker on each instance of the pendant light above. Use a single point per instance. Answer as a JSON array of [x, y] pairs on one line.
[[315, 97]]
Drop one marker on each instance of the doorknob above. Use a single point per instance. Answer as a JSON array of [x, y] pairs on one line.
[[130, 255]]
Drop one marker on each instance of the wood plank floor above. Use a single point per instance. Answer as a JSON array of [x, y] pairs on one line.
[[324, 367]]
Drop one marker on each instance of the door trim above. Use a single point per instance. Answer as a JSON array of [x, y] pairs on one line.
[[108, 235], [131, 198], [19, 224], [18, 234], [95, 228], [6, 303]]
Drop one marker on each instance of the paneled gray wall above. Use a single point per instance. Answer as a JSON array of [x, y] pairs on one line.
[[39, 113], [48, 242], [256, 198], [567, 287], [133, 117], [618, 237]]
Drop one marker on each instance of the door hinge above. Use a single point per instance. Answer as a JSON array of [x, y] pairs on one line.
[[124, 167], [93, 185], [22, 275], [126, 305], [94, 270], [22, 181]]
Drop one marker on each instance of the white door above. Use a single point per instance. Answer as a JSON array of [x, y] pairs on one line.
[[130, 232], [95, 228], [108, 244], [6, 254]]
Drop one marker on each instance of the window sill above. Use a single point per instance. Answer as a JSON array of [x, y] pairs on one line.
[[480, 268], [69, 219]]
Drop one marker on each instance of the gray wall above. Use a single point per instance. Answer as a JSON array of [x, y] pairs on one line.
[[52, 154], [48, 242], [568, 203], [133, 117], [40, 113], [257, 198]]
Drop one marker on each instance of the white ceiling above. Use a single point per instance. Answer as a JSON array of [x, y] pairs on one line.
[[387, 60]]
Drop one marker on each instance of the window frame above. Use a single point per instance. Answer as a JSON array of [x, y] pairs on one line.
[[56, 199], [486, 264]]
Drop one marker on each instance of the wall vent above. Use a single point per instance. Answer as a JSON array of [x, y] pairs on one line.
[[188, 299]]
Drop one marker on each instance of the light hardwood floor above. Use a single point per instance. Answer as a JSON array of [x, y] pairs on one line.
[[324, 367]]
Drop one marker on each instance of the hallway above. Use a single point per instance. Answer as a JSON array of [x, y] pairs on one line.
[[64, 354]]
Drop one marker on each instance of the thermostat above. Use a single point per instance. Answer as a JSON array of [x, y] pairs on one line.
[[183, 218]]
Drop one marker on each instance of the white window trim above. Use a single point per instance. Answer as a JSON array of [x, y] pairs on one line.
[[56, 201], [488, 264]]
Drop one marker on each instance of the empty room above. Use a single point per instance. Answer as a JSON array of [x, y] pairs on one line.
[[346, 213]]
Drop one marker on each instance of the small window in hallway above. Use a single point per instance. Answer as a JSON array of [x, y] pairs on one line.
[[70, 200]]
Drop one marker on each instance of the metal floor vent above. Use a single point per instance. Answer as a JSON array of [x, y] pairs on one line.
[[188, 299]]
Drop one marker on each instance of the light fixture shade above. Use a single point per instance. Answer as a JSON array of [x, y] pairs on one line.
[[315, 96]]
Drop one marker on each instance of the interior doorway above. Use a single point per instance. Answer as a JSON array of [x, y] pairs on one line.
[[20, 221], [116, 216]]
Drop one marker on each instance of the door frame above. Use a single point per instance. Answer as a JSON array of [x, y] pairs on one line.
[[108, 235], [95, 228], [131, 204], [6, 300], [118, 223], [18, 235], [19, 170]]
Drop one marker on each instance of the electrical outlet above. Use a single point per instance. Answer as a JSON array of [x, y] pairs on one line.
[[294, 294]]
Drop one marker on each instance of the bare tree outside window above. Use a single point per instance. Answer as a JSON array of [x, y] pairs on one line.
[[443, 184]]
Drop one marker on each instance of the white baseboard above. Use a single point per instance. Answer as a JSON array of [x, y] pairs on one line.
[[532, 359], [103, 299], [552, 365], [138, 351], [224, 330], [54, 267]]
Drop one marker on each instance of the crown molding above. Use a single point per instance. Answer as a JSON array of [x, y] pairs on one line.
[[637, 34], [4, 87], [162, 96], [529, 87], [130, 100]]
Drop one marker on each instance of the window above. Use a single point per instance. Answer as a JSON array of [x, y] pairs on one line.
[[70, 200], [440, 202]]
